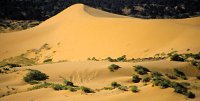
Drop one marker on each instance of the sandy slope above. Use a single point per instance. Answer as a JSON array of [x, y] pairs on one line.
[[95, 75], [84, 32]]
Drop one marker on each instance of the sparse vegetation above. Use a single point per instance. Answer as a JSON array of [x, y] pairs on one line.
[[180, 74], [146, 79], [113, 67], [162, 82], [156, 74], [124, 88], [43, 85], [134, 89], [33, 76], [141, 70], [86, 89], [68, 83], [122, 58], [59, 87], [115, 84], [177, 57], [135, 78]]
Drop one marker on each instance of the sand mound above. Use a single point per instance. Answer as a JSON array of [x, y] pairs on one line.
[[94, 75], [81, 34]]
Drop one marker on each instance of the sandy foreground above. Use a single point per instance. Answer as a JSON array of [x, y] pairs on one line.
[[80, 32]]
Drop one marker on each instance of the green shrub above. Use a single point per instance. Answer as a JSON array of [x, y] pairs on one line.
[[86, 89], [177, 57], [110, 59], [146, 79], [115, 84], [141, 70], [135, 78], [178, 88], [124, 88], [113, 67], [122, 58], [162, 82], [134, 89], [180, 74], [156, 74], [43, 85], [68, 83], [35, 76], [59, 87], [47, 61]]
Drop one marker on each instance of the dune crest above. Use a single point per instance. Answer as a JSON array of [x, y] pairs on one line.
[[80, 35]]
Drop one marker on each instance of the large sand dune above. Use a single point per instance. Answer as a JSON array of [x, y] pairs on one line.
[[85, 32], [80, 32]]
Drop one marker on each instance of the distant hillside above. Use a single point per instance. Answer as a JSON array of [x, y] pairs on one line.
[[44, 9]]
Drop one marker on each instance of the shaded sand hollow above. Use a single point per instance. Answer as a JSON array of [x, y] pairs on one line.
[[80, 32]]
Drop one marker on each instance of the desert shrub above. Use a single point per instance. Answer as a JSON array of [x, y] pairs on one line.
[[178, 88], [86, 89], [198, 77], [43, 85], [68, 83], [34, 76], [171, 76], [115, 84], [156, 74], [141, 70], [135, 78], [122, 58], [176, 57], [146, 79], [162, 82], [180, 74], [113, 67], [134, 89], [124, 88], [47, 61], [93, 58], [190, 95], [110, 59], [59, 87]]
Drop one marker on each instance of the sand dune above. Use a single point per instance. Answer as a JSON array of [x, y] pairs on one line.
[[95, 75], [80, 32], [83, 34]]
